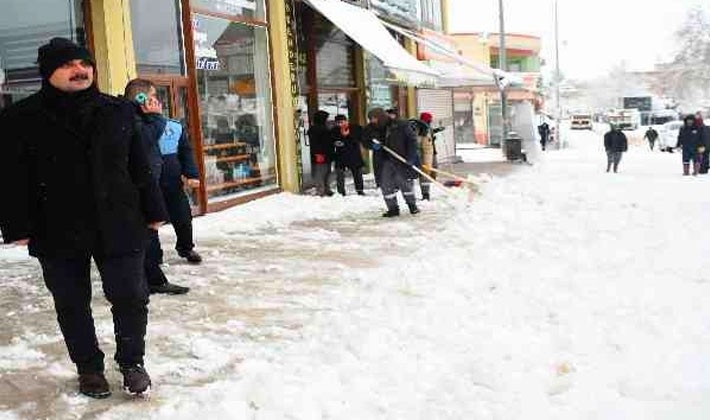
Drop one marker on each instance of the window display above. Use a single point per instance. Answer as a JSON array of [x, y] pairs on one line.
[[233, 81], [157, 37]]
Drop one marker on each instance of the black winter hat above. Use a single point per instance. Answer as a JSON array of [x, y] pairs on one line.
[[57, 52]]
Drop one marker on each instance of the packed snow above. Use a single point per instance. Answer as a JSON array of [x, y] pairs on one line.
[[558, 292]]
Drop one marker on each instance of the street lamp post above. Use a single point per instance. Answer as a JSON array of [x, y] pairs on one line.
[[557, 79], [502, 65]]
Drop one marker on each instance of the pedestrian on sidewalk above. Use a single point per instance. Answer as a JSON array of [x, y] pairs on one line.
[[321, 152], [425, 151], [81, 187], [705, 143], [690, 141], [615, 144], [152, 126], [544, 130], [651, 135], [399, 138], [348, 154]]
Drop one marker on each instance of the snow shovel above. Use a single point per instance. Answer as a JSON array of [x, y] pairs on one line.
[[419, 171], [453, 176]]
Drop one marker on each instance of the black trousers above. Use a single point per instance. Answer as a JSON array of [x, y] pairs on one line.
[[153, 258], [68, 279], [395, 178], [180, 216], [357, 178]]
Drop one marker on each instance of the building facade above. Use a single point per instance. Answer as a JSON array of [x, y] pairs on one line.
[[243, 75]]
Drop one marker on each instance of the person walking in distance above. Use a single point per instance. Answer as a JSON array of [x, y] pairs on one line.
[[544, 131], [321, 152], [651, 136], [705, 143], [690, 141], [152, 128], [615, 144], [398, 137], [82, 188], [346, 141]]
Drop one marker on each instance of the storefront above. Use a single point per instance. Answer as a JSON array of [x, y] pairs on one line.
[[23, 28], [210, 60]]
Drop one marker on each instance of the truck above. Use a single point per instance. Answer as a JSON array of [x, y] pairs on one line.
[[625, 119], [581, 121]]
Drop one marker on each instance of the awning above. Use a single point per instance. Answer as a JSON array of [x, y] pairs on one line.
[[363, 27], [468, 72]]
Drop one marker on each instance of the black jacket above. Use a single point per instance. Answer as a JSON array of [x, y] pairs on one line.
[[615, 141], [400, 137], [75, 191], [690, 138], [651, 135], [320, 138], [347, 149]]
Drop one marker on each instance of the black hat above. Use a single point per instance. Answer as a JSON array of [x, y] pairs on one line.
[[57, 52]]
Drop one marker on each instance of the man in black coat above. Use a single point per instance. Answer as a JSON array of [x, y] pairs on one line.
[[651, 135], [690, 140], [346, 141], [398, 137], [615, 144], [167, 170], [321, 152], [544, 130], [81, 187]]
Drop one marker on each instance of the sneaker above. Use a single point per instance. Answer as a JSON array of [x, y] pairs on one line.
[[191, 256], [391, 213], [413, 209], [94, 385], [135, 380], [169, 289]]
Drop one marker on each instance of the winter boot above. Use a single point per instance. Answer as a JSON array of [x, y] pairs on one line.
[[413, 209], [94, 385], [135, 380], [426, 196], [696, 168], [168, 288], [191, 256], [393, 212], [686, 169]]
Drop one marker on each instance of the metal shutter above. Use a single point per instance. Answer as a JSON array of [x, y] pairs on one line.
[[440, 103]]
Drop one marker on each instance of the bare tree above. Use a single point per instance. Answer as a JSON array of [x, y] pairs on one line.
[[689, 73]]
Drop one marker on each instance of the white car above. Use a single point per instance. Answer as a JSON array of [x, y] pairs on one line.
[[668, 135]]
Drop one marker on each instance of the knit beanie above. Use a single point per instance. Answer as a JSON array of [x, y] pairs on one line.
[[58, 52]]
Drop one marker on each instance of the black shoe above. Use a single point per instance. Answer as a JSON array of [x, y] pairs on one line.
[[169, 289], [413, 209], [391, 213], [94, 385], [329, 193], [191, 256], [135, 380], [360, 193], [426, 197]]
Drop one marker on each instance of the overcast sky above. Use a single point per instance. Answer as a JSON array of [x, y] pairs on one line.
[[594, 34]]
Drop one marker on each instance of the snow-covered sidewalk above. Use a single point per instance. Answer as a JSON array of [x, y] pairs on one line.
[[560, 292]]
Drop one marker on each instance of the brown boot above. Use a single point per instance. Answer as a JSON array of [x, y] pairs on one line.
[[94, 385], [686, 169]]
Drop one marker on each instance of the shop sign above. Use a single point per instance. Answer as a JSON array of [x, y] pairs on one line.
[[207, 63]]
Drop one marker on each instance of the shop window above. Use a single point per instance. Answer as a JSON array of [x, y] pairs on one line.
[[234, 89], [334, 56], [249, 9], [24, 26], [157, 37]]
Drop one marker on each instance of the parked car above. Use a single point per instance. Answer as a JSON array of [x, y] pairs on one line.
[[668, 135]]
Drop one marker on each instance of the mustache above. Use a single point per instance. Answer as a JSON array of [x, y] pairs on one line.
[[79, 76]]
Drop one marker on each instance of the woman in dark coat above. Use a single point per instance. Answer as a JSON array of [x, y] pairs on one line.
[[321, 152]]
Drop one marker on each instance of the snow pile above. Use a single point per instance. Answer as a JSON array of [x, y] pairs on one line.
[[560, 292]]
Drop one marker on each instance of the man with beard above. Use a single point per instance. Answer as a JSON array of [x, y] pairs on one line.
[[81, 187], [397, 136]]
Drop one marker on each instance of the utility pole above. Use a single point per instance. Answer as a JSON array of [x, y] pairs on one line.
[[503, 66], [558, 133]]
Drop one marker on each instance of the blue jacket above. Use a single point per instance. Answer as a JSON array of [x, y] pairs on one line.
[[169, 150]]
